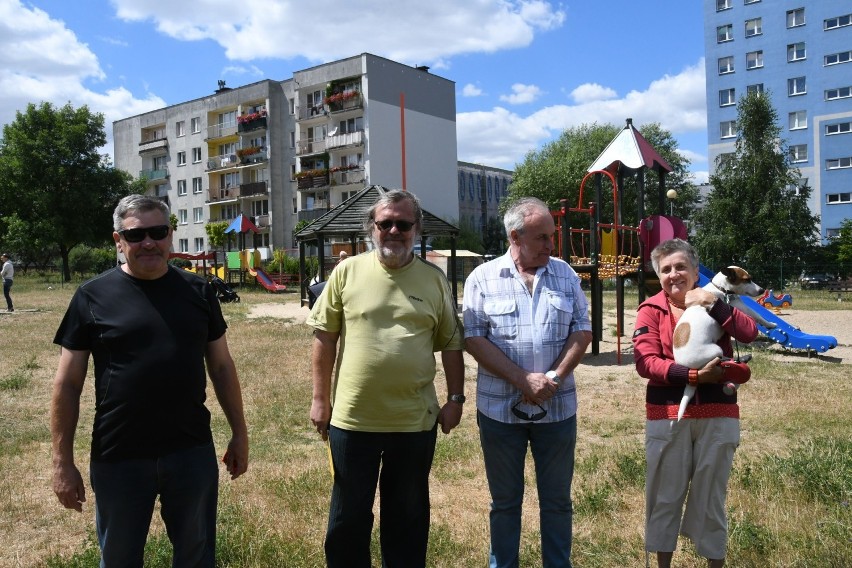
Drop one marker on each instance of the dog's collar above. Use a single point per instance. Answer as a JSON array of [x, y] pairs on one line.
[[727, 293]]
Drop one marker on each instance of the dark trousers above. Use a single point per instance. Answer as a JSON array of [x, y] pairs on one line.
[[400, 463], [187, 482], [7, 285]]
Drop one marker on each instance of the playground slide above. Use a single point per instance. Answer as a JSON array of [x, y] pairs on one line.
[[784, 333], [265, 281]]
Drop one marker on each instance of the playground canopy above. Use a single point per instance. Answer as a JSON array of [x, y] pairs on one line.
[[242, 224]]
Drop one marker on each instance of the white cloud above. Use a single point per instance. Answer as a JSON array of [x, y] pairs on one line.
[[44, 61], [471, 90], [502, 138], [591, 92], [522, 94], [408, 31]]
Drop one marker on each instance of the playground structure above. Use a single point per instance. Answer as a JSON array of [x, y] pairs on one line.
[[236, 266], [599, 250]]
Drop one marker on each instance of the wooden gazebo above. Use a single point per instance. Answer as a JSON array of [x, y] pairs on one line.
[[347, 220]]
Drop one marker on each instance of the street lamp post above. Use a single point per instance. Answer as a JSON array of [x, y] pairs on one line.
[[672, 195]]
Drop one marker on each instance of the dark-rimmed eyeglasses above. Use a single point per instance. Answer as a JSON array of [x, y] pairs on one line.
[[523, 415], [401, 226], [157, 233]]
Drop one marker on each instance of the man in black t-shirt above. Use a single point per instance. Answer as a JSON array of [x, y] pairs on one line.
[[150, 329]]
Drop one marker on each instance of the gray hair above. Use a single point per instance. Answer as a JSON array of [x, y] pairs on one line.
[[516, 215], [672, 246], [390, 198], [135, 202]]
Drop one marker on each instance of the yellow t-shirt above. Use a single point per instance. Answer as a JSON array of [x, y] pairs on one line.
[[391, 321]]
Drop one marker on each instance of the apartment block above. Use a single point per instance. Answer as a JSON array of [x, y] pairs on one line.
[[798, 52], [481, 190], [281, 152]]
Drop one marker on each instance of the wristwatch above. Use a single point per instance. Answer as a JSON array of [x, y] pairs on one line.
[[458, 398], [553, 377]]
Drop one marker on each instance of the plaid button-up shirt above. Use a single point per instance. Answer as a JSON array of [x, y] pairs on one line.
[[531, 329]]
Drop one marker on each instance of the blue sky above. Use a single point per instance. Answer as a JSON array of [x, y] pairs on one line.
[[524, 69]]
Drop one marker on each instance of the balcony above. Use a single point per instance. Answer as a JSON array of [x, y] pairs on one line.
[[347, 139], [312, 178], [309, 112], [252, 155], [311, 214], [251, 122], [222, 161], [348, 176], [155, 176], [224, 193], [221, 130], [310, 147], [158, 146], [348, 100], [262, 221], [254, 188]]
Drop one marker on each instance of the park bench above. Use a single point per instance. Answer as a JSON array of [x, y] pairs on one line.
[[839, 287]]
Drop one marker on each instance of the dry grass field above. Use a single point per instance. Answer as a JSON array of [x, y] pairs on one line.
[[788, 501]]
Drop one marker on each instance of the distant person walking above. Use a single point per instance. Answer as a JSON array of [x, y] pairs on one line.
[[8, 274]]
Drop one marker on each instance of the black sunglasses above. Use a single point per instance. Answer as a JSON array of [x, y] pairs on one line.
[[530, 417], [157, 233], [401, 226]]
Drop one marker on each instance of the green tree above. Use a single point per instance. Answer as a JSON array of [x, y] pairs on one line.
[[55, 182], [757, 214], [843, 242], [556, 171], [467, 239], [217, 237]]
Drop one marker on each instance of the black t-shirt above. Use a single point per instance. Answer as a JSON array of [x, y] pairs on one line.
[[148, 339]]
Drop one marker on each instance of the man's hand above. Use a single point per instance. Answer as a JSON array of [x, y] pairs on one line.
[[321, 417], [539, 388], [236, 456], [68, 486], [450, 416]]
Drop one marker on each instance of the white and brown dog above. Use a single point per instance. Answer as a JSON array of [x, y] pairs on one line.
[[696, 333]]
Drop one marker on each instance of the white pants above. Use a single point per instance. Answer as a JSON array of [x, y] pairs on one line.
[[692, 456]]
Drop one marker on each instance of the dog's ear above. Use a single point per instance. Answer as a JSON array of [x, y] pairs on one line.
[[731, 274]]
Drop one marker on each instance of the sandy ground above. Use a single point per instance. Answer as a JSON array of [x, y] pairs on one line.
[[837, 323]]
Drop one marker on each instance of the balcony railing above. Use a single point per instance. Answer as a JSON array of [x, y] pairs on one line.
[[222, 161], [262, 221], [220, 130], [224, 193], [348, 139], [308, 182], [255, 155], [347, 177], [310, 147], [308, 112], [153, 145], [254, 124], [154, 175], [254, 188], [351, 101]]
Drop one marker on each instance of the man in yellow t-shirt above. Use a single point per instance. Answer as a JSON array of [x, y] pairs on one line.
[[389, 311]]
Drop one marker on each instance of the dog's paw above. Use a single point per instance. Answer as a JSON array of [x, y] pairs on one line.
[[699, 297]]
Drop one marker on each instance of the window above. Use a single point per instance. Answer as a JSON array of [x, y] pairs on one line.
[[839, 128], [180, 128], [838, 163], [723, 5], [183, 245], [839, 93], [725, 33], [181, 187], [198, 214], [753, 27], [727, 97], [199, 244], [726, 65], [728, 129], [756, 88], [195, 125], [196, 155], [182, 216], [799, 153], [747, 2], [798, 119], [292, 138], [754, 60], [835, 58], [796, 18], [796, 86], [262, 207], [291, 103], [796, 52], [832, 198], [196, 185], [838, 22], [181, 158]]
